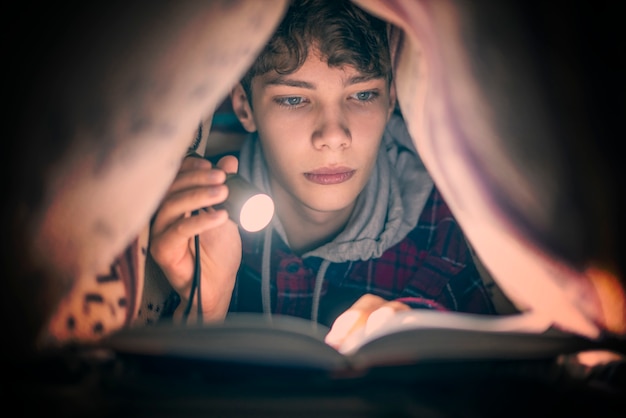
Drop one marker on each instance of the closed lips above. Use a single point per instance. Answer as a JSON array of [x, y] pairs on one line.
[[330, 175]]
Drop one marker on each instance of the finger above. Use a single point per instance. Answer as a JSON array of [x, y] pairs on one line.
[[192, 162], [378, 319], [178, 205], [178, 234], [353, 319], [197, 176], [346, 324], [228, 163], [196, 224]]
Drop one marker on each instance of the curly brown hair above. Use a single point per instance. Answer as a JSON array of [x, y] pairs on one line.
[[343, 33]]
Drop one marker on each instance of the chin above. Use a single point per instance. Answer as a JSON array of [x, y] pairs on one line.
[[332, 204]]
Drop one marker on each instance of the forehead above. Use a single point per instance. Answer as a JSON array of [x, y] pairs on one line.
[[315, 71]]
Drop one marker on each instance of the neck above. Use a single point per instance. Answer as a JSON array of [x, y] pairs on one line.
[[307, 229]]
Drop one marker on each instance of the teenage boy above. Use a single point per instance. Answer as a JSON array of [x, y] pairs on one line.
[[359, 225]]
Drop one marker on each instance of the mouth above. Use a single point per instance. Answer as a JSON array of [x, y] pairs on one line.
[[328, 176]]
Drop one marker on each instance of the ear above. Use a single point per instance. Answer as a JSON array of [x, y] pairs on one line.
[[392, 99], [241, 107]]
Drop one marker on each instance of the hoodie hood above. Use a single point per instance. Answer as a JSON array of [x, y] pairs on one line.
[[385, 212]]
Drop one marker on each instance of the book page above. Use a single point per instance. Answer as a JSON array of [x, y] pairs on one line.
[[392, 322]]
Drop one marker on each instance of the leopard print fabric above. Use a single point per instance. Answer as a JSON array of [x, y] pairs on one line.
[[98, 306], [159, 298]]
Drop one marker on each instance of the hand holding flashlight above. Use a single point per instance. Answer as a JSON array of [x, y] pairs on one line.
[[246, 205], [200, 255]]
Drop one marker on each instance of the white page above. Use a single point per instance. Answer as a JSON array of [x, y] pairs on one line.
[[419, 318]]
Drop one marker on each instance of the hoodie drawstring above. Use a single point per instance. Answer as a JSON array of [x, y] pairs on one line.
[[317, 291], [266, 295]]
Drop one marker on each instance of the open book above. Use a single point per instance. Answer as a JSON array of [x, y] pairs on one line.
[[405, 338]]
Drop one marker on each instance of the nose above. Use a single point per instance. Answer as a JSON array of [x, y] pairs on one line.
[[332, 131]]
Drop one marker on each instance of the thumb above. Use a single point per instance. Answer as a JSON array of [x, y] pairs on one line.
[[229, 163]]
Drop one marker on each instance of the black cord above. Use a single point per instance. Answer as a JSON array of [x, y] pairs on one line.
[[197, 278], [195, 284]]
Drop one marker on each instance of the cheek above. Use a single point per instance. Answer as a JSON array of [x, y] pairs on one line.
[[283, 140], [370, 122], [281, 156], [367, 135], [280, 127], [275, 156], [368, 158]]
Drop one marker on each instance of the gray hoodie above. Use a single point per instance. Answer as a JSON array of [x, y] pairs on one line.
[[385, 211]]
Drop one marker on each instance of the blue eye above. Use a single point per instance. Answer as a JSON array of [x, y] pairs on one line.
[[365, 96], [293, 101], [290, 101]]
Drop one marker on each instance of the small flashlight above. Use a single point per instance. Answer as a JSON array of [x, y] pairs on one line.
[[246, 205]]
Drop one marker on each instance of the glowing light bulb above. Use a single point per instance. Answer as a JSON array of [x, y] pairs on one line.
[[246, 205]]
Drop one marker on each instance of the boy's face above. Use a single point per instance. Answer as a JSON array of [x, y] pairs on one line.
[[320, 129]]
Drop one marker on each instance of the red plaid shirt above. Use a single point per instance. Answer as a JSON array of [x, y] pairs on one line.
[[430, 268]]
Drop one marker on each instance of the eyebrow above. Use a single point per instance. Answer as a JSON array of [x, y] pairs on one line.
[[281, 80]]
